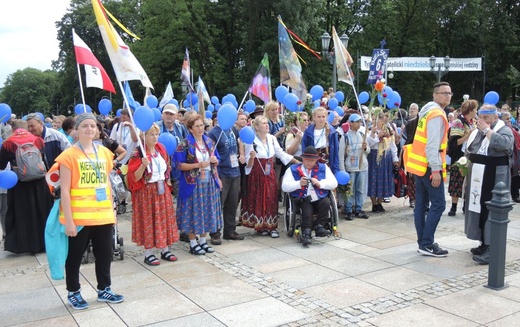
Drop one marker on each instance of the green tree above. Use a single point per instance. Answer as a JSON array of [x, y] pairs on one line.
[[31, 90]]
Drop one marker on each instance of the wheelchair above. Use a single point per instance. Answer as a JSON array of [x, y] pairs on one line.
[[292, 217]]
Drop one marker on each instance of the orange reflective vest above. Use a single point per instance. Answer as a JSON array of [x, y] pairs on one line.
[[414, 155], [89, 177]]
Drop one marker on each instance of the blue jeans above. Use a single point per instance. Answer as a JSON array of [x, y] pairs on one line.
[[426, 194], [357, 181]]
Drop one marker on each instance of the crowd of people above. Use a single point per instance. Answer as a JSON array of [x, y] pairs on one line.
[[214, 181]]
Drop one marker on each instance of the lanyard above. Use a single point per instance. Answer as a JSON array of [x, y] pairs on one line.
[[319, 138], [263, 146], [95, 166]]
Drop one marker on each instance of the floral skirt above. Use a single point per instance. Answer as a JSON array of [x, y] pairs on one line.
[[153, 218], [201, 212], [260, 206], [380, 175], [456, 181]]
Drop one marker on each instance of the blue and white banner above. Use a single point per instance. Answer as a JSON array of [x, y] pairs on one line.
[[422, 64], [377, 65]]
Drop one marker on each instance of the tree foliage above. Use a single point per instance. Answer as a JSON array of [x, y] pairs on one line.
[[226, 40]]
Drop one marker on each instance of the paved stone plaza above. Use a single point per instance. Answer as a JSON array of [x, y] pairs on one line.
[[372, 276]]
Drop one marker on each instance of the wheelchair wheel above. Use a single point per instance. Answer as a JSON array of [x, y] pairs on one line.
[[289, 215], [333, 211]]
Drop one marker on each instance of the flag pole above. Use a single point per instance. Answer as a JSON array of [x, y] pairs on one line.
[[80, 81], [243, 99], [130, 114]]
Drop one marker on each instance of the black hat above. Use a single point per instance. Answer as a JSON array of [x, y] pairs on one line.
[[310, 152], [259, 110]]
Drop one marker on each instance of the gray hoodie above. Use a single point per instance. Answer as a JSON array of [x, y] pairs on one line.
[[435, 131]]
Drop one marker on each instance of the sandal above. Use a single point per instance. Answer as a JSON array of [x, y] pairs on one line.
[[152, 260], [206, 248], [197, 250], [274, 234], [168, 256]]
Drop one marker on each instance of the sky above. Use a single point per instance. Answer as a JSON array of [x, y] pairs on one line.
[[28, 34]]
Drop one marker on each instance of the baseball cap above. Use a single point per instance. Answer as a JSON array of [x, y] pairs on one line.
[[171, 108], [354, 118]]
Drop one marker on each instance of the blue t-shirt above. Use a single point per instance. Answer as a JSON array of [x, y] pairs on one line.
[[226, 146]]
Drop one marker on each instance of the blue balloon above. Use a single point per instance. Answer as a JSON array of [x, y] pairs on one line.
[[291, 102], [211, 108], [340, 96], [144, 118], [214, 100], [363, 97], [396, 99], [388, 90], [192, 98], [317, 103], [118, 112], [208, 114], [218, 106], [332, 103], [232, 97], [104, 106], [8, 178], [43, 117], [342, 177], [79, 109], [340, 111], [185, 104], [175, 102], [247, 135], [235, 103], [382, 100], [152, 101], [331, 117], [280, 93], [250, 106], [5, 112], [491, 97], [316, 92], [169, 141], [157, 114], [227, 116]]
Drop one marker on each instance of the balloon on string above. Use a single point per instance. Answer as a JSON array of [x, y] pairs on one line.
[[491, 97], [211, 108], [118, 112], [291, 102], [247, 135], [144, 118], [152, 101], [340, 96], [104, 106], [363, 97], [342, 177], [185, 104], [316, 92], [280, 93], [382, 100], [157, 114], [232, 97], [193, 98], [396, 99], [5, 112], [208, 114], [169, 141], [317, 103], [331, 117], [387, 89], [332, 103], [8, 179], [235, 103], [227, 116], [250, 106], [340, 111], [214, 100], [218, 106]]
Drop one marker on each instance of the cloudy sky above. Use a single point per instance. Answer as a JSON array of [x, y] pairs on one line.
[[28, 34]]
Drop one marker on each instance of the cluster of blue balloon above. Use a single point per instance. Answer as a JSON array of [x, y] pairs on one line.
[[5, 112], [388, 97], [8, 179], [289, 100], [491, 97]]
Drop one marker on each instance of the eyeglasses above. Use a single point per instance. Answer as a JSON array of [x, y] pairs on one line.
[[448, 94]]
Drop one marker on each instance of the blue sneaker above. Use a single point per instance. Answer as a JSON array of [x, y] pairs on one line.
[[107, 295], [76, 300]]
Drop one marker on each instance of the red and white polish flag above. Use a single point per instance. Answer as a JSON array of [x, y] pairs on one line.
[[95, 74]]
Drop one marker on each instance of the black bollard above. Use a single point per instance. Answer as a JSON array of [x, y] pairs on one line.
[[499, 206]]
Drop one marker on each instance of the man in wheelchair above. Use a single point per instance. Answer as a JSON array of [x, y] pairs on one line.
[[309, 183]]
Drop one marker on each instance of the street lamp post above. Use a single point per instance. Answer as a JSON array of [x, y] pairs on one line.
[[439, 69], [325, 43]]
